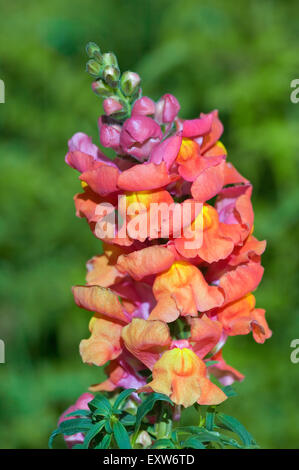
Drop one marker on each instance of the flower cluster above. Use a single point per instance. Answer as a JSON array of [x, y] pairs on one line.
[[168, 290]]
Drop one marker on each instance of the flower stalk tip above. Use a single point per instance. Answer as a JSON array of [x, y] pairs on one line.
[[110, 83]]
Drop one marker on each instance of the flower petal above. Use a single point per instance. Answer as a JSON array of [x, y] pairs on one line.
[[80, 161], [101, 272], [103, 344], [215, 132], [145, 262], [146, 340], [208, 183], [144, 177], [205, 238], [100, 300], [205, 334], [121, 373], [102, 180], [259, 325], [223, 372], [166, 151], [236, 316], [241, 280], [184, 284], [197, 127], [181, 375]]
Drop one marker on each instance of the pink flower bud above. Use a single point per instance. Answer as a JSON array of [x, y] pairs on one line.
[[139, 135], [167, 109], [110, 135], [81, 404], [111, 106], [144, 106]]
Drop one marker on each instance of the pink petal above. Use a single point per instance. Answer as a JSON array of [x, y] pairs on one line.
[[197, 127]]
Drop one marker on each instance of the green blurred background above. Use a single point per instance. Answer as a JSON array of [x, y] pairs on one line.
[[239, 57]]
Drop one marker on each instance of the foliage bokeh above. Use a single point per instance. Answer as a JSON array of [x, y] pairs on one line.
[[237, 57]]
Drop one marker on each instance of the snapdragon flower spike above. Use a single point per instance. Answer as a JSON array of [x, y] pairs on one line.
[[155, 275]]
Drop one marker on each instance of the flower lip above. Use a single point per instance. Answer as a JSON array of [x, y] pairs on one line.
[[183, 362], [180, 344]]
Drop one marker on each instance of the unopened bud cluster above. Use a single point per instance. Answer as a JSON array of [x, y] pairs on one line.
[[119, 90]]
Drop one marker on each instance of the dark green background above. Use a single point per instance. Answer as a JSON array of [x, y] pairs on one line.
[[239, 57]]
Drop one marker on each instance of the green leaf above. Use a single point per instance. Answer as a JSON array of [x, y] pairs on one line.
[[201, 433], [108, 427], [229, 391], [100, 406], [78, 413], [193, 443], [163, 444], [232, 424], [210, 415], [94, 430], [72, 426], [69, 427], [52, 437], [148, 404], [228, 441], [105, 442], [128, 420], [122, 397], [121, 436]]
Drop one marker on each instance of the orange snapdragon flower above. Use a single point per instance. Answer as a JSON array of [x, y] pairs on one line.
[[183, 290], [177, 366]]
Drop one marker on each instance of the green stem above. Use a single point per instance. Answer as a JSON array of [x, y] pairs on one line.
[[125, 101]]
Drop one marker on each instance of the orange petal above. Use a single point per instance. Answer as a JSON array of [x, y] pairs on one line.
[[212, 246], [241, 280], [252, 249], [208, 183], [165, 310], [115, 373], [215, 132], [186, 285], [236, 316], [146, 340], [205, 334], [141, 220], [100, 300], [103, 344], [81, 161], [145, 262], [232, 176], [210, 393], [101, 273], [102, 180], [260, 328], [86, 204], [181, 375]]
